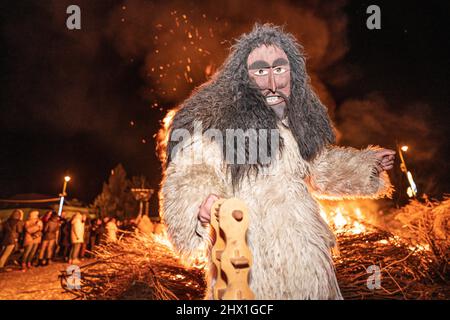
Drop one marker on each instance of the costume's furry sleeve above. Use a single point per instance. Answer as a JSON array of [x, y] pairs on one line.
[[187, 182], [344, 172]]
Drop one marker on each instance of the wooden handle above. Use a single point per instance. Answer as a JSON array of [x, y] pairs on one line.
[[230, 254], [217, 250]]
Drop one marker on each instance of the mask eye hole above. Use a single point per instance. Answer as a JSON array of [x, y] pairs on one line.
[[261, 72], [279, 70]]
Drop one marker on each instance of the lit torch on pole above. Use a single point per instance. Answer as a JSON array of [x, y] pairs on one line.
[[412, 189], [63, 194]]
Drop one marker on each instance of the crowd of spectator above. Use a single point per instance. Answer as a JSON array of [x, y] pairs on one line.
[[38, 241]]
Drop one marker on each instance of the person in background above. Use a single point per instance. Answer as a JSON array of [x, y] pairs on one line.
[[19, 244], [51, 229], [87, 233], [64, 237], [94, 234], [111, 230], [12, 228], [33, 237], [103, 233], [76, 237], [46, 217]]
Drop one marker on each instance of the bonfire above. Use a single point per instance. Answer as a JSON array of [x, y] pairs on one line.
[[402, 254]]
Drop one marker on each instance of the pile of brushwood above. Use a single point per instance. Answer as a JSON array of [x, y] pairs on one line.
[[409, 262], [379, 265], [136, 267]]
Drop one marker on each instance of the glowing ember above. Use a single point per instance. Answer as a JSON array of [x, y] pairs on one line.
[[358, 228], [198, 260], [164, 240], [339, 220], [419, 247]]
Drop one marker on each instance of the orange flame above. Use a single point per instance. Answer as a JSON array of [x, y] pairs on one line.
[[197, 260], [163, 136], [344, 217]]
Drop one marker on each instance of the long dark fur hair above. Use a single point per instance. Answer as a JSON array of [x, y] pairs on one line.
[[231, 101]]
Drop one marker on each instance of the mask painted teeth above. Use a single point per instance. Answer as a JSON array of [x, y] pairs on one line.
[[272, 99]]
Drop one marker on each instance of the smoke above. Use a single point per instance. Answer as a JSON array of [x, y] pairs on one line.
[[76, 81], [84, 82], [181, 43], [372, 120], [62, 80]]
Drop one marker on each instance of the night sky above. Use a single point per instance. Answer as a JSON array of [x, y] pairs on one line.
[[80, 102]]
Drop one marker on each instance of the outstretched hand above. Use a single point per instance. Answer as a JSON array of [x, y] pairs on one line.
[[385, 159], [204, 213]]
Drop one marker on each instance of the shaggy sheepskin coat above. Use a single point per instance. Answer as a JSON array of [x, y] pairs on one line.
[[290, 242]]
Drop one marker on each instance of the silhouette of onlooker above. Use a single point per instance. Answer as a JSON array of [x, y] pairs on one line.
[[111, 230], [64, 237], [12, 228], [51, 229], [87, 232], [33, 236], [76, 237]]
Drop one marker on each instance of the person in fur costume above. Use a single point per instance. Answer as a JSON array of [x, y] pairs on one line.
[[263, 85]]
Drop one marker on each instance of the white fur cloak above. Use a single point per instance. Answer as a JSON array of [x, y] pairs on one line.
[[290, 242]]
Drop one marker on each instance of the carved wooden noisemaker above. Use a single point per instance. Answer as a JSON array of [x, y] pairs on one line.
[[230, 254]]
